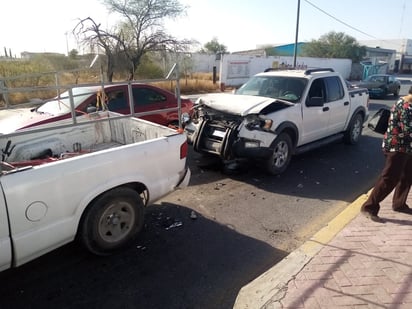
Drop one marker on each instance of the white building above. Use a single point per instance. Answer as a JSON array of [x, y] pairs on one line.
[[403, 47]]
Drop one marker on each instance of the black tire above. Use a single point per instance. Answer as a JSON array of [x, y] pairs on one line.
[[354, 131], [281, 155], [396, 92], [112, 221]]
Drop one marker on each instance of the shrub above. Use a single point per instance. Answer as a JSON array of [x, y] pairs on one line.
[[59, 71]]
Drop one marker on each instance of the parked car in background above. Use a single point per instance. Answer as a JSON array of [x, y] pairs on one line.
[[156, 104], [380, 85]]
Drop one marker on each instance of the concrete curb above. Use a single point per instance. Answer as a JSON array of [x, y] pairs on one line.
[[271, 286]]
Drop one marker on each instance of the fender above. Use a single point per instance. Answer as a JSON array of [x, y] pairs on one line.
[[362, 111], [292, 130]]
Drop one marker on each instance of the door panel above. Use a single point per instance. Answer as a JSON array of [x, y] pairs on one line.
[[315, 118], [338, 104], [147, 100]]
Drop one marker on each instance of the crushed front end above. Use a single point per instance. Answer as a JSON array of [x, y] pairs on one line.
[[229, 136]]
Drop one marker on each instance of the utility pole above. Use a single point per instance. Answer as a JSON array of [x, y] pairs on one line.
[[295, 53], [67, 43]]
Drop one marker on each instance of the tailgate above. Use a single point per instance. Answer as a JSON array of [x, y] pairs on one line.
[[5, 243]]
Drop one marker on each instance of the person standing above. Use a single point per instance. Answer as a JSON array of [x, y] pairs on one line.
[[397, 171]]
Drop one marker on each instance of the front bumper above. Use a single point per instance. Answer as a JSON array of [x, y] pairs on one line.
[[216, 138], [377, 92], [244, 148]]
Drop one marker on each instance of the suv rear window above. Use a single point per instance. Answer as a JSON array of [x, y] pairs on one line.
[[334, 88]]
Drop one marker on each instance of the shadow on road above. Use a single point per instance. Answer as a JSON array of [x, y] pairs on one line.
[[324, 173], [181, 260]]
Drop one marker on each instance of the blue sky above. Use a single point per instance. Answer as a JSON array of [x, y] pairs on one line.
[[41, 26]]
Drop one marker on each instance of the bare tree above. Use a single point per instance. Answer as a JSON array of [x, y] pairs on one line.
[[90, 32], [142, 30]]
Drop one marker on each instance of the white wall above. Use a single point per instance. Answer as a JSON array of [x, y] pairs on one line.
[[204, 63], [234, 70], [237, 69]]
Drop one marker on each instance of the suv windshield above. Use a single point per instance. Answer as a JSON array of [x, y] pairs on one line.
[[281, 87], [61, 105]]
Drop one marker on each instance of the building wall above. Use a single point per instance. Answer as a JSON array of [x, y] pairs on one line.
[[402, 46], [204, 63], [236, 69]]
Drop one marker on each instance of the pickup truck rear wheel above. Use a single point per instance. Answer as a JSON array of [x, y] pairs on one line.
[[112, 221], [281, 154], [354, 131]]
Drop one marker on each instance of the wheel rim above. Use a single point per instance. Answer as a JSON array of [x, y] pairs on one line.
[[357, 127], [116, 221], [280, 154]]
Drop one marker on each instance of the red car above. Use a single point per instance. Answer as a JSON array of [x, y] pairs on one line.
[[156, 104]]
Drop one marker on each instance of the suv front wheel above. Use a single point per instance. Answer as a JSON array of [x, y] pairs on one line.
[[281, 154]]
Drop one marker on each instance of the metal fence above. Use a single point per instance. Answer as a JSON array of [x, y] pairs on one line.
[[57, 88]]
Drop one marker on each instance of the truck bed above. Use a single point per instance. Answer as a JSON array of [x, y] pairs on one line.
[[50, 143]]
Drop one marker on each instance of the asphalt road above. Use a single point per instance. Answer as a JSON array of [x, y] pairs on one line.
[[200, 245]]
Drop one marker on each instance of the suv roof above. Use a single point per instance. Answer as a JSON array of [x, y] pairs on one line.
[[296, 72]]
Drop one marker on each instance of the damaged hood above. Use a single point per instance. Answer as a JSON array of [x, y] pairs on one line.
[[236, 104]]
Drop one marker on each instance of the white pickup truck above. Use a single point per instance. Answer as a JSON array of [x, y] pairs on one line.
[[88, 181], [276, 114]]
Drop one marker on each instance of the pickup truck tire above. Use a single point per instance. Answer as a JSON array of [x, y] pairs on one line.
[[354, 131], [112, 221], [281, 154]]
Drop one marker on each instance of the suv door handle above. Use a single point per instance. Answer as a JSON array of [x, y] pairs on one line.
[[346, 103], [325, 109]]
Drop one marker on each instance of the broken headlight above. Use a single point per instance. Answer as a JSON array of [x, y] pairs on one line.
[[256, 122]]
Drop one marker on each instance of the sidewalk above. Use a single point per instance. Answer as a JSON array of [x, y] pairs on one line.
[[351, 263]]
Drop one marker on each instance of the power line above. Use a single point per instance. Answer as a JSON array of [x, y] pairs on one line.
[[342, 22], [403, 13]]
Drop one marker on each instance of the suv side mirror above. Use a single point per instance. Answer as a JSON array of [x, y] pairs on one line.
[[315, 101]]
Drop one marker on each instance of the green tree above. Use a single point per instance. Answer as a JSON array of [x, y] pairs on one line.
[[149, 68], [335, 45], [214, 47], [73, 54]]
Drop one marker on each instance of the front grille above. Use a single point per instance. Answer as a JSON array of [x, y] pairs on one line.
[[215, 138]]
